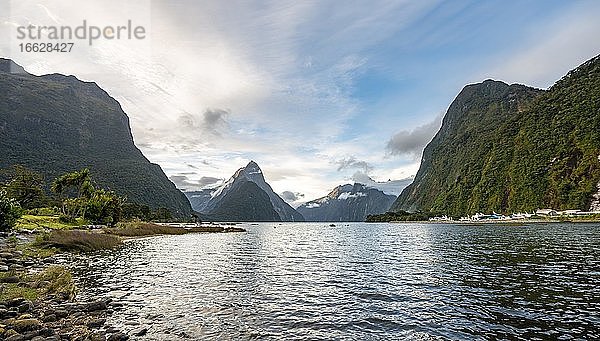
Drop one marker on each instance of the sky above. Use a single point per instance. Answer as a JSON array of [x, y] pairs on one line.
[[318, 93]]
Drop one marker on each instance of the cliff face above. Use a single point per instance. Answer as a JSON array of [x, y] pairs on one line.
[[55, 124], [508, 148]]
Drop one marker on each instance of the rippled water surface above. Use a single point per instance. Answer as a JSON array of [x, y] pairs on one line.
[[356, 281]]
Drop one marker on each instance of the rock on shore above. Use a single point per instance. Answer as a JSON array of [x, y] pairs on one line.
[[54, 314]]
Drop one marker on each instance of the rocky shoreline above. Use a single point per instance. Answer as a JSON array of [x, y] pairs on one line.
[[54, 314], [37, 294]]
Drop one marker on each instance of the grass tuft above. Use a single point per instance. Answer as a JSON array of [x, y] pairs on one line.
[[58, 280], [54, 280], [9, 291], [77, 240], [139, 229]]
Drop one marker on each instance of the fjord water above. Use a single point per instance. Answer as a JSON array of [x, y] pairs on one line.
[[356, 281]]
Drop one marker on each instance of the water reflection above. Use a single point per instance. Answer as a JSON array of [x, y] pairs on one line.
[[312, 281]]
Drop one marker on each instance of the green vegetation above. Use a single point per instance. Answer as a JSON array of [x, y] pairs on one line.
[[138, 229], [9, 291], [54, 280], [43, 211], [79, 183], [399, 216], [78, 240], [35, 250], [104, 207], [10, 211], [80, 202], [98, 206], [25, 186], [35, 222], [513, 148], [56, 124]]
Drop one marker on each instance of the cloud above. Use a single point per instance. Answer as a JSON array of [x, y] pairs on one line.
[[412, 142], [393, 187], [184, 182], [289, 196], [187, 121], [215, 120], [361, 177], [351, 163]]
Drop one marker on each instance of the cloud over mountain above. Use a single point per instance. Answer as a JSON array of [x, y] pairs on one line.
[[290, 196], [352, 163], [412, 142], [184, 182]]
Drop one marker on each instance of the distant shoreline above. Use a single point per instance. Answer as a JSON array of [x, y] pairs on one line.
[[498, 222]]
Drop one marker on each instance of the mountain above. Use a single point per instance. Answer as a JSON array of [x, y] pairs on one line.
[[55, 124], [509, 148], [248, 203], [199, 199], [392, 187], [347, 203], [251, 206]]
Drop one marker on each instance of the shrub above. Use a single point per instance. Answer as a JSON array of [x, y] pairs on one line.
[[104, 207], [10, 212], [138, 228], [65, 219], [77, 240], [26, 187]]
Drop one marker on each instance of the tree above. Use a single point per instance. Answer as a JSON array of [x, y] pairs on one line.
[[78, 181], [162, 214], [10, 211], [26, 187], [104, 207], [78, 184], [136, 211], [81, 199]]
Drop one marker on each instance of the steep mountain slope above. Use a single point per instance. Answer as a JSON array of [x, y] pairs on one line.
[[508, 148], [55, 124], [227, 195], [347, 203], [248, 203]]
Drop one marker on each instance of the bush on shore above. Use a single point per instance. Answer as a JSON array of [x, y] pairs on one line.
[[139, 228], [10, 211], [78, 240]]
